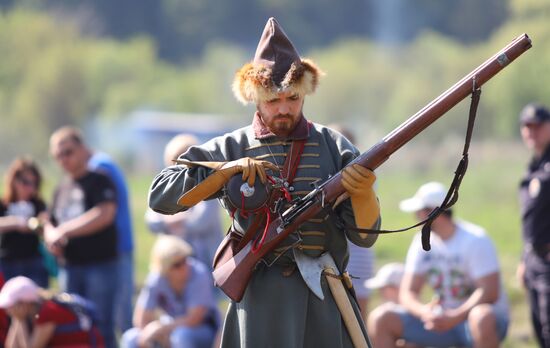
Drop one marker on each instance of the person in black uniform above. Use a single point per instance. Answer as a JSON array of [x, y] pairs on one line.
[[534, 192]]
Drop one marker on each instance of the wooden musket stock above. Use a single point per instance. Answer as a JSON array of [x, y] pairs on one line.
[[233, 276]]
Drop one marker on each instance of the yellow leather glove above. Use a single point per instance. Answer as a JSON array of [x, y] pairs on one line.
[[358, 182], [250, 168], [223, 171]]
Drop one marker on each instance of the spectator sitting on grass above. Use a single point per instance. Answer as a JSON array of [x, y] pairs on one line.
[[41, 320], [470, 306], [180, 287]]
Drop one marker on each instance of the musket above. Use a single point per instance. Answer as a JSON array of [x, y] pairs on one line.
[[233, 276]]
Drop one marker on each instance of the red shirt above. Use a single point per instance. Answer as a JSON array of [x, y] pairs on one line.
[[52, 312], [4, 322]]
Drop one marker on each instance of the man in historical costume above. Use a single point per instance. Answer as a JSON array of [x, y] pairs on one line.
[[278, 309]]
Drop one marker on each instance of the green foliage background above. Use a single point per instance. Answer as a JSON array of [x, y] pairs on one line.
[[52, 73]]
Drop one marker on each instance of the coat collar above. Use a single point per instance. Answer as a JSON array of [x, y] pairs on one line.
[[301, 131], [537, 162]]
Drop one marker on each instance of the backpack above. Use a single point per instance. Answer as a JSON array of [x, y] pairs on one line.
[[85, 312]]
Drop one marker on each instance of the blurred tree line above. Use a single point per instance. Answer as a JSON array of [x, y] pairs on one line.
[[183, 28], [56, 70]]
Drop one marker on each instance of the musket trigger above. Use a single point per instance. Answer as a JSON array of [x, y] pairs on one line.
[[276, 207]]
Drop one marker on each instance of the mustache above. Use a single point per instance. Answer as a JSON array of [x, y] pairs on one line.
[[283, 116]]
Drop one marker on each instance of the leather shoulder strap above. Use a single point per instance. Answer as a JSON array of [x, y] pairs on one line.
[[293, 159], [289, 170]]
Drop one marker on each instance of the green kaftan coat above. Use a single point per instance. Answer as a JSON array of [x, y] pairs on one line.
[[278, 310]]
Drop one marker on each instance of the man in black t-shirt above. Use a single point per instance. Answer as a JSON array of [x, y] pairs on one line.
[[83, 234]]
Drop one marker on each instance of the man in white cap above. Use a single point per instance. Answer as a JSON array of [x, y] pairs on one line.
[[469, 308], [277, 308]]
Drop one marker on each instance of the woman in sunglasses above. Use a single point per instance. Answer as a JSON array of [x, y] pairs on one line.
[[179, 287], [21, 207]]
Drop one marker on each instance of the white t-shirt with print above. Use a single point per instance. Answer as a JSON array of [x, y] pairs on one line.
[[452, 266]]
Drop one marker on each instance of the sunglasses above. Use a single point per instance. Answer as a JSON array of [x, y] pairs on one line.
[[27, 182], [178, 264], [64, 153]]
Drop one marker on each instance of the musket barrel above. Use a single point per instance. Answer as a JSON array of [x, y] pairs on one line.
[[415, 124], [439, 106]]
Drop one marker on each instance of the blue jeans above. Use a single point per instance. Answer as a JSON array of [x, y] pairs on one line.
[[31, 268], [460, 335], [98, 283], [181, 337], [125, 291]]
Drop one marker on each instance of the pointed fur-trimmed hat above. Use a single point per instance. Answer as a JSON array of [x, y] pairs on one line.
[[277, 67]]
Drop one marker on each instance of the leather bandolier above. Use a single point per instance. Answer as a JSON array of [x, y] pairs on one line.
[[234, 241]]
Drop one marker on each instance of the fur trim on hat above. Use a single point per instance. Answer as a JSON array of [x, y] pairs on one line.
[[254, 82]]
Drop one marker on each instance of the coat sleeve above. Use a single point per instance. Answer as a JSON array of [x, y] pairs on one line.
[[173, 181], [346, 213], [347, 153]]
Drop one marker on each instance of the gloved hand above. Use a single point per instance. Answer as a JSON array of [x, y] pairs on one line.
[[358, 182], [223, 171], [249, 167]]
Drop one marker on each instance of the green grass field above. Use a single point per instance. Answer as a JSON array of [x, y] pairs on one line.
[[488, 197]]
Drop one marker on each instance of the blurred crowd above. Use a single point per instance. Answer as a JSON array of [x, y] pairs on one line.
[[83, 238]]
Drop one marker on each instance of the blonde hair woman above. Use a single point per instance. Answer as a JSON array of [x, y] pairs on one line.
[[179, 287]]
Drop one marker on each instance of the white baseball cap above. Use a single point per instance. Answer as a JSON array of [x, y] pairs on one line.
[[18, 289], [389, 274], [429, 195]]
